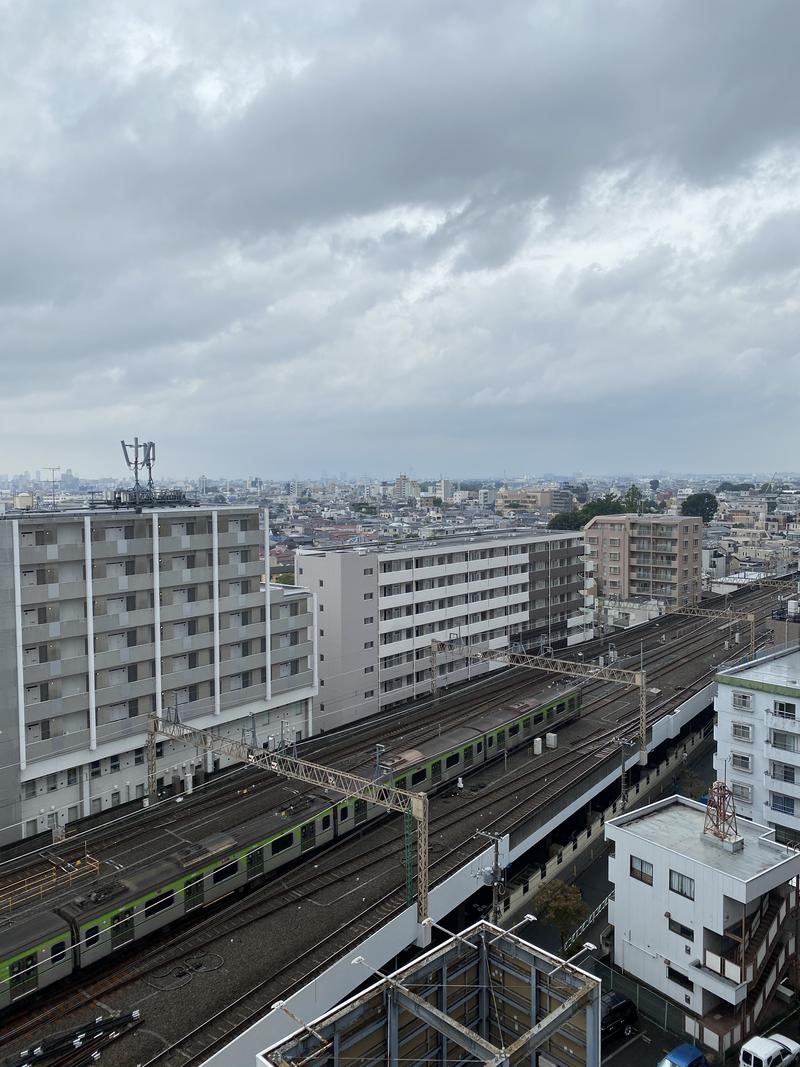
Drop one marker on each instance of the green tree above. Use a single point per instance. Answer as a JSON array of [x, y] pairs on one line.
[[562, 906], [735, 487], [702, 504], [654, 484], [437, 502], [566, 520], [608, 504]]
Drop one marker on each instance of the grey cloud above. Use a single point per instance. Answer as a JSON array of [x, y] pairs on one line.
[[212, 212]]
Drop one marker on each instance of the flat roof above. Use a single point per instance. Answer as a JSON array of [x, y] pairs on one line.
[[677, 824], [781, 667], [107, 511], [464, 537]]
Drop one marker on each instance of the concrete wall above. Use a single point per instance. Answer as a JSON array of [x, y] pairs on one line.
[[9, 717]]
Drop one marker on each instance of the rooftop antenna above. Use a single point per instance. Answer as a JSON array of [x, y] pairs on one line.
[[150, 461], [721, 813], [53, 472], [133, 464]]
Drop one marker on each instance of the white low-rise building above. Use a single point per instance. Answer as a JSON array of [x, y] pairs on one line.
[[702, 915], [757, 736]]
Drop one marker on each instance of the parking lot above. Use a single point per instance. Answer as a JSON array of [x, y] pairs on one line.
[[644, 1049]]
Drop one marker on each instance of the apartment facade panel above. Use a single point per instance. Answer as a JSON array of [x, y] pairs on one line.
[[108, 617], [657, 557], [757, 735], [380, 608]]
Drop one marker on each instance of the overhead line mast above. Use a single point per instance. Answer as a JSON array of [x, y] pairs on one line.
[[347, 784], [557, 666]]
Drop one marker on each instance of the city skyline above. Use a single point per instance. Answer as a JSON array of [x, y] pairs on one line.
[[390, 235]]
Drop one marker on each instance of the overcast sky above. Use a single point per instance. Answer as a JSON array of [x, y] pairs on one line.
[[456, 236]]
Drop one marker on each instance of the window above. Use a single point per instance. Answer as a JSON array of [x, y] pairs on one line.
[[369, 644], [418, 776], [95, 768], [280, 844], [779, 802], [641, 870], [162, 902], [113, 763], [221, 874], [369, 693], [452, 759], [369, 670], [159, 749], [740, 762], [368, 596], [138, 757], [742, 731], [742, 701], [681, 930], [72, 776], [369, 619], [92, 936], [368, 570], [742, 792], [784, 709], [681, 884], [679, 979], [58, 951], [52, 783]]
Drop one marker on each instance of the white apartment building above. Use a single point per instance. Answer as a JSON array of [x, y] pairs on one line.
[[706, 922], [379, 607], [757, 736], [107, 616]]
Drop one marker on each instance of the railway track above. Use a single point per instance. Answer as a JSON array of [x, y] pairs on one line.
[[697, 640]]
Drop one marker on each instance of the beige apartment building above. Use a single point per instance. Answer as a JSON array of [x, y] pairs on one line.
[[653, 556]]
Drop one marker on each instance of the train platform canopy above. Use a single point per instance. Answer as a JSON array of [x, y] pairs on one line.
[[484, 994]]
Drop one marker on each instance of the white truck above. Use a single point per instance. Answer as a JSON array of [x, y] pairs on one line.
[[773, 1051]]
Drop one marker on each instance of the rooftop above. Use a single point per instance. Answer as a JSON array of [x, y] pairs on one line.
[[677, 824], [105, 510], [776, 667], [462, 537]]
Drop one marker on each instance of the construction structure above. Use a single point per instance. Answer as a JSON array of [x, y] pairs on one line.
[[483, 996]]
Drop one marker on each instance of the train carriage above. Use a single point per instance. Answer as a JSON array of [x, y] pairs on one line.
[[34, 953]]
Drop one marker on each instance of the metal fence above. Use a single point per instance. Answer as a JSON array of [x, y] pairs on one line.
[[654, 1007]]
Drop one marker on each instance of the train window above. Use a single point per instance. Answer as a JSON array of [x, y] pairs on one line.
[[571, 703], [280, 844], [58, 952], [468, 755], [512, 730], [221, 874], [539, 717], [400, 783], [559, 708], [452, 759], [343, 814], [526, 724], [92, 936], [418, 776], [162, 902], [326, 822], [489, 742], [480, 746]]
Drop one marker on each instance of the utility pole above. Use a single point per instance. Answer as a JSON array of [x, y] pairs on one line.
[[497, 874]]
